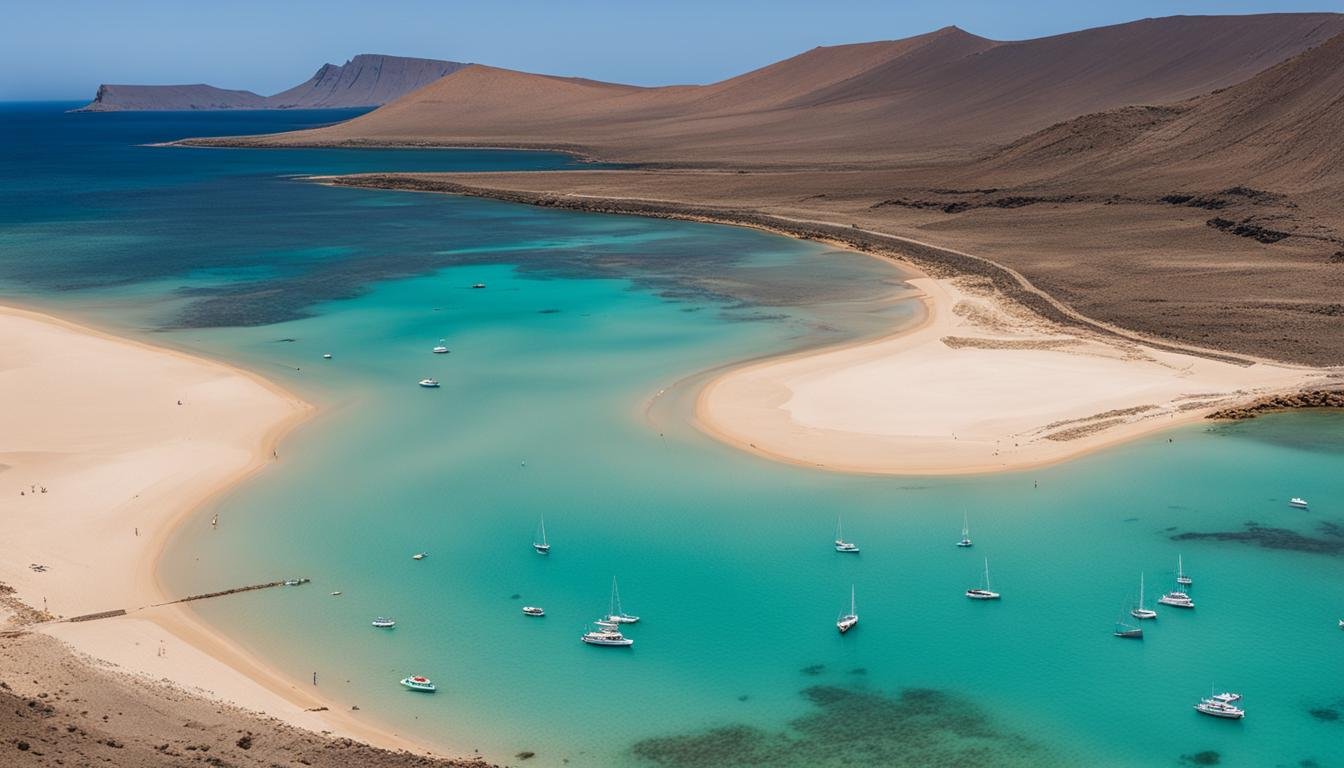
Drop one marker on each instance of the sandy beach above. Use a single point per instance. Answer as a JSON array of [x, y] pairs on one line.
[[977, 386], [108, 444]]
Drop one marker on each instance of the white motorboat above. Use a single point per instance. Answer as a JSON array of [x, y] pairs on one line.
[[849, 620], [382, 622], [840, 544], [419, 555], [440, 348], [1214, 708], [1226, 697], [617, 614], [1181, 578], [532, 610], [478, 285], [1140, 612], [1297, 503], [429, 383], [965, 532], [1177, 599], [607, 636], [983, 593], [327, 356], [418, 683], [337, 593], [542, 547]]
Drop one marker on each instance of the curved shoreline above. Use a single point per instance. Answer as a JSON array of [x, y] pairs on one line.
[[1016, 328], [233, 421]]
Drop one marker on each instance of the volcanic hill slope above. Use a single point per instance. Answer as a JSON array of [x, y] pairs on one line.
[[927, 96], [366, 80], [1178, 177]]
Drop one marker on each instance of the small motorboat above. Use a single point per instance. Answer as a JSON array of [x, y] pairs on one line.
[[532, 610], [418, 683], [382, 622], [294, 582], [441, 348], [607, 636], [337, 593], [429, 383], [1297, 503], [478, 285], [1226, 697], [327, 356], [419, 555], [1214, 708]]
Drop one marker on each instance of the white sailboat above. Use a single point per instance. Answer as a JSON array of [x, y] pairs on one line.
[[617, 615], [965, 532], [441, 348], [849, 620], [1178, 597], [983, 593], [840, 544], [1139, 611], [1181, 578], [542, 547]]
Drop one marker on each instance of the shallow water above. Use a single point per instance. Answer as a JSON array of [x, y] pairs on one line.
[[566, 393]]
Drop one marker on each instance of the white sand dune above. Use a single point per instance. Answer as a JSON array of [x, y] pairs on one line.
[[96, 421], [975, 387]]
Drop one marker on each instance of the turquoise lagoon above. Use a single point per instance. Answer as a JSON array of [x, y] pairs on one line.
[[568, 392]]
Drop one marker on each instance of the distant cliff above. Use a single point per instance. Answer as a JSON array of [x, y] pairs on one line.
[[367, 80]]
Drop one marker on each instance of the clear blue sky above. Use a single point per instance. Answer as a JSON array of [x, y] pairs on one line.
[[62, 49]]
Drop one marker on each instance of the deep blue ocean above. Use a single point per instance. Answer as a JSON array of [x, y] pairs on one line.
[[568, 393]]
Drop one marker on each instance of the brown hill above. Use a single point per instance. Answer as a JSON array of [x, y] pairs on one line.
[[1281, 129], [943, 92]]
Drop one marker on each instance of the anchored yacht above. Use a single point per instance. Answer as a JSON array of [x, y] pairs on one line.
[[429, 383], [382, 622], [532, 610], [418, 683], [1297, 503], [840, 544], [1139, 611], [607, 636], [849, 620], [983, 593]]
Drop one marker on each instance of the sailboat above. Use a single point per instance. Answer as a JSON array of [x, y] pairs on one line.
[[840, 544], [1178, 598], [542, 547], [978, 593], [1127, 630], [617, 615], [1181, 578], [441, 348], [847, 621], [1139, 611], [965, 532]]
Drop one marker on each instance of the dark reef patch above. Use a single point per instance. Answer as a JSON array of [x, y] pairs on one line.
[[918, 727], [1266, 537], [813, 669], [1325, 714], [1207, 757]]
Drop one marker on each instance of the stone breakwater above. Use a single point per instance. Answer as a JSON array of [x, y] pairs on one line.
[[1317, 398]]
